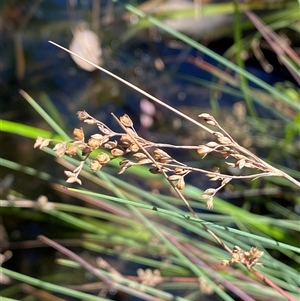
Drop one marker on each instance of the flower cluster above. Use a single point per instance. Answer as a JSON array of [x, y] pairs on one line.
[[248, 258], [107, 145]]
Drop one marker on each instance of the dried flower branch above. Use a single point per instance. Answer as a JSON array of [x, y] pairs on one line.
[[248, 258], [159, 161]]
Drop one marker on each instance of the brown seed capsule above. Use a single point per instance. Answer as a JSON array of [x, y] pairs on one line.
[[160, 154], [95, 165], [117, 152], [203, 150], [180, 184], [126, 121], [179, 171], [111, 144], [212, 144], [209, 204], [103, 158], [82, 115], [41, 142], [224, 140], [60, 149], [174, 177], [126, 139], [78, 134], [134, 147], [154, 170], [71, 150], [208, 118], [97, 136], [94, 143], [140, 156], [210, 191]]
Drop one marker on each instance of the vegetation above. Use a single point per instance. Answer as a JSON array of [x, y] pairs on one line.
[[190, 244]]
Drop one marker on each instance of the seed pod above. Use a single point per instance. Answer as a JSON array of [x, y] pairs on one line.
[[160, 154], [208, 118], [78, 134], [224, 140], [126, 139], [82, 115], [126, 121], [180, 184], [210, 191], [179, 171], [134, 147], [203, 150], [117, 152], [95, 165], [71, 150], [140, 156], [94, 143], [212, 144], [154, 170], [60, 149], [174, 177], [210, 204], [97, 136], [110, 144], [103, 158]]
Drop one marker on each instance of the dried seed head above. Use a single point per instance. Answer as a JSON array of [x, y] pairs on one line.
[[140, 156], [126, 139], [78, 134], [179, 171], [224, 140], [72, 177], [82, 115], [103, 158], [94, 143], [203, 150], [254, 253], [145, 161], [126, 121], [41, 142], [95, 165], [248, 258], [124, 165], [218, 134], [110, 144], [162, 156], [224, 262], [174, 177], [225, 181], [210, 191], [210, 203], [71, 150], [154, 170], [60, 149], [97, 136], [180, 184], [208, 118], [241, 163], [86, 151], [212, 144], [134, 147], [117, 152], [90, 121]]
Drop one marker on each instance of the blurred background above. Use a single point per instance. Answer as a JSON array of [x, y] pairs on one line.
[[186, 78]]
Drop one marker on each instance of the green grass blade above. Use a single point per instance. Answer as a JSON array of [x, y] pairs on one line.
[[49, 286], [45, 115]]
